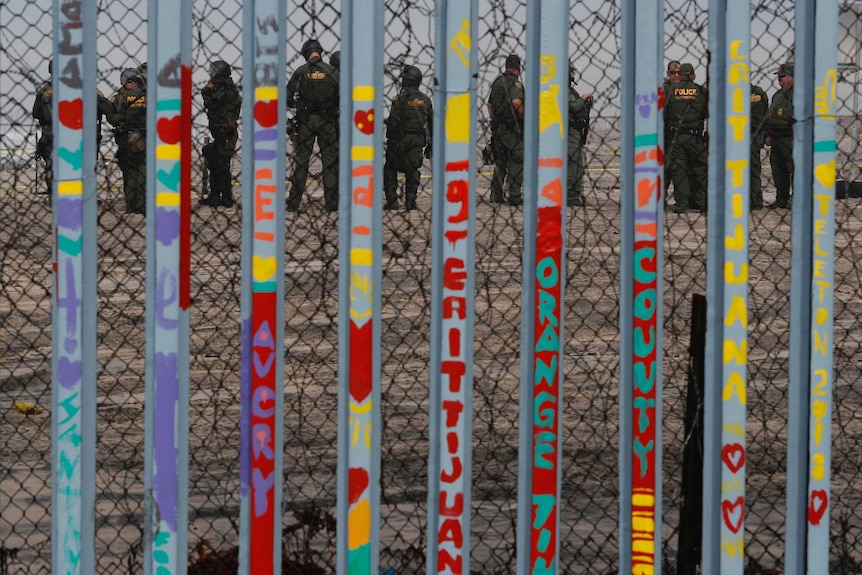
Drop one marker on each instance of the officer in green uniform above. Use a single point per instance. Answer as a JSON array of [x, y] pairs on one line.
[[313, 90], [506, 109], [43, 113], [408, 132], [579, 126], [685, 113], [759, 109], [779, 135], [222, 102], [128, 80], [131, 119]]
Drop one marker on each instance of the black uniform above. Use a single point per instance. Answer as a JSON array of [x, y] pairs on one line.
[[407, 134], [223, 103], [759, 109], [685, 114], [313, 90]]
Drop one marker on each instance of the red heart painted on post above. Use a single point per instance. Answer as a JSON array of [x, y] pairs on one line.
[[733, 455], [169, 130], [72, 113], [357, 483], [733, 512], [266, 113], [817, 505], [364, 120]]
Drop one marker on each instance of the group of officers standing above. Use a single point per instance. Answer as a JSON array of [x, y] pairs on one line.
[[126, 111], [313, 91], [685, 114]]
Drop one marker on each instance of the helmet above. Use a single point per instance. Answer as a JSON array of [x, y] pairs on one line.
[[141, 73], [411, 76], [335, 59], [310, 46], [219, 68], [128, 74]]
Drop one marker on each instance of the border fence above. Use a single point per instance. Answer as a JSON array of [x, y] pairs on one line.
[[465, 387]]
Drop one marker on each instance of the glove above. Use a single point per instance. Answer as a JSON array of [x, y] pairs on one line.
[[429, 151]]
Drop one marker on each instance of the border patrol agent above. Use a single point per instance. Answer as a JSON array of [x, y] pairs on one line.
[[671, 77], [759, 109], [222, 102], [685, 113], [506, 109], [313, 90], [579, 127], [408, 131], [128, 80], [131, 119], [779, 135], [44, 114]]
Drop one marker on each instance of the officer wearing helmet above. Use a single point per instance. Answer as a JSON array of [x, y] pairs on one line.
[[506, 109], [43, 113], [408, 132], [130, 118], [313, 90], [128, 80], [222, 102], [579, 126]]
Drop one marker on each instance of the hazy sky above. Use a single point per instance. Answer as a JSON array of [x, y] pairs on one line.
[[25, 34]]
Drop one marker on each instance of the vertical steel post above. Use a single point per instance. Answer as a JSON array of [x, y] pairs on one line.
[[543, 294], [360, 274], [800, 301], [453, 280], [73, 359], [626, 321], [262, 297], [641, 306], [727, 288], [812, 292], [169, 95]]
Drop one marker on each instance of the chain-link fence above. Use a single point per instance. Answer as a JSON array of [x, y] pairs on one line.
[[589, 501]]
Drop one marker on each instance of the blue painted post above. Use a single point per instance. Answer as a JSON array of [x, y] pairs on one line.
[[73, 360], [169, 112], [727, 288], [452, 287], [812, 292], [626, 321], [360, 274], [641, 289], [822, 222], [541, 397], [800, 303], [262, 297]]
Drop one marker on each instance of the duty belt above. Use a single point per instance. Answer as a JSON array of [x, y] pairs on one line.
[[577, 124], [687, 131]]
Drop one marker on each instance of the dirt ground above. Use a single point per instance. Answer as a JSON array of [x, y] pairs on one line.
[[590, 491]]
